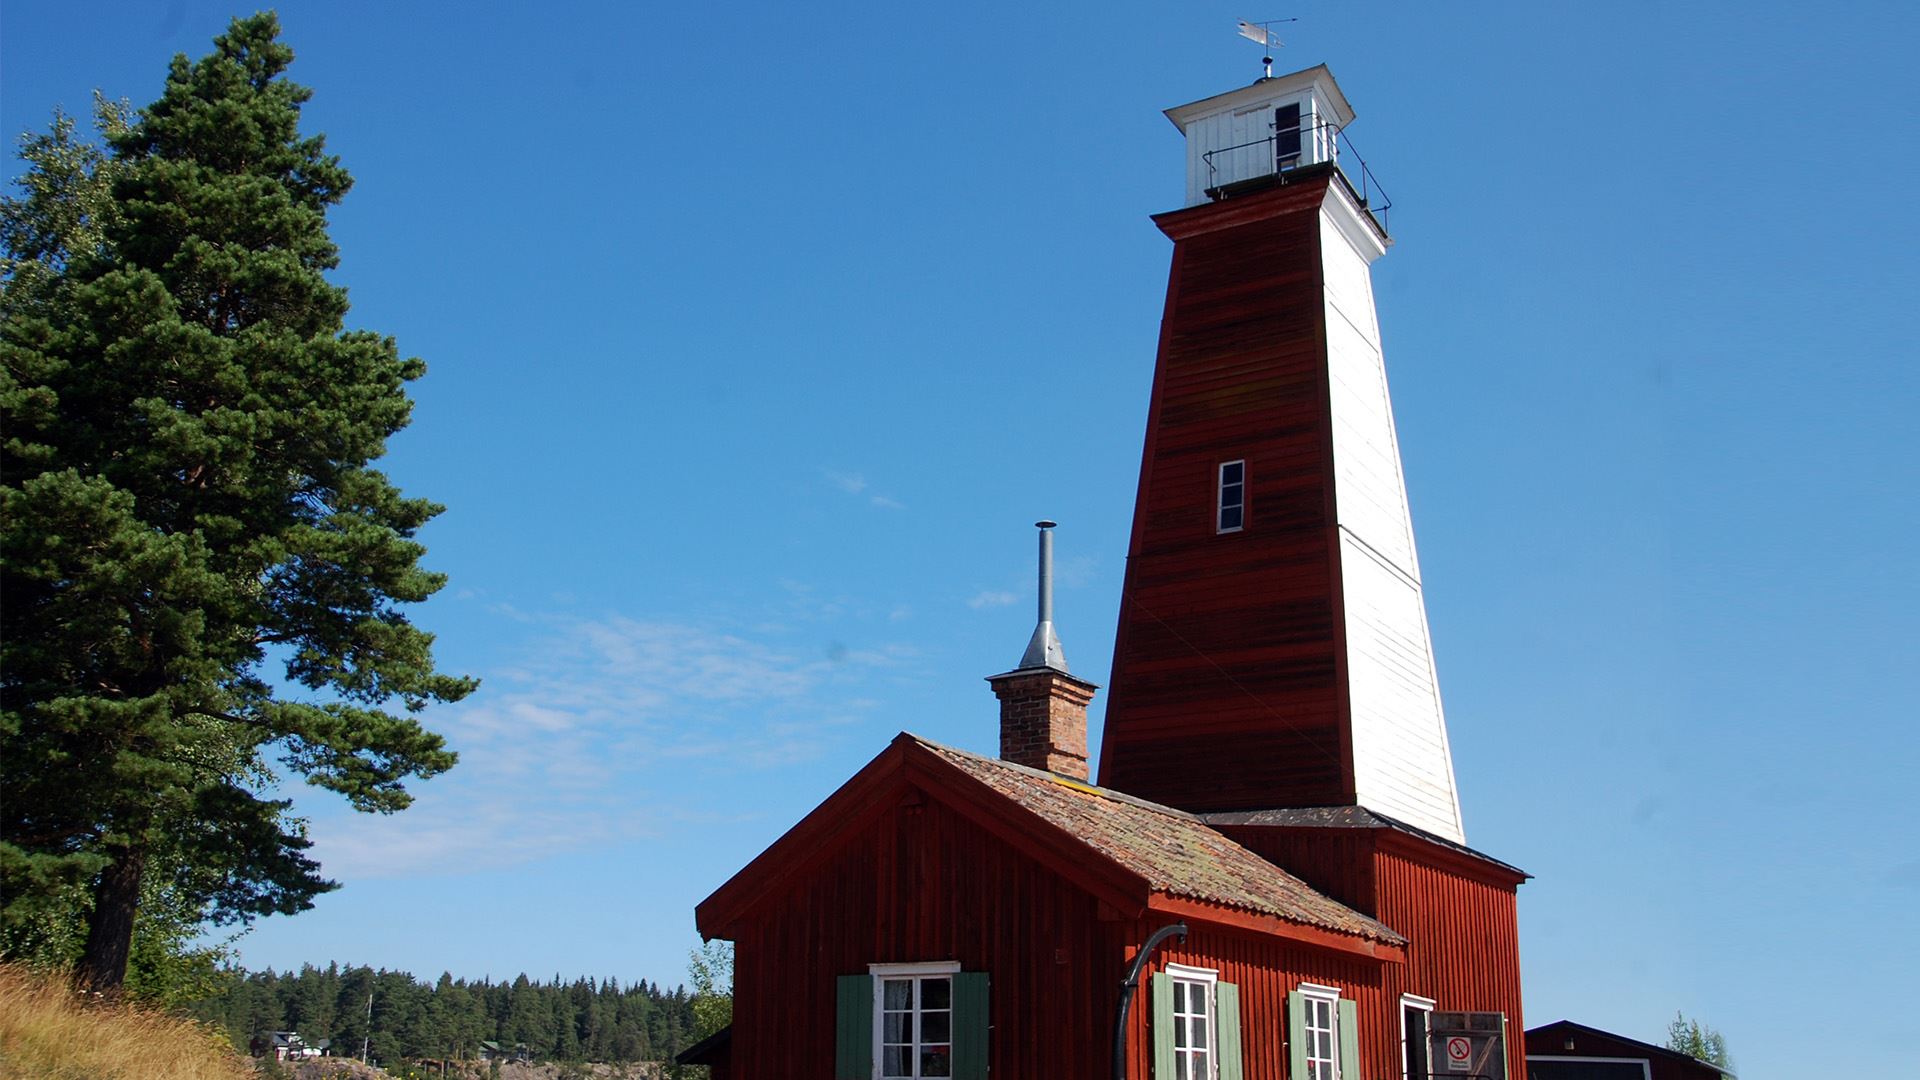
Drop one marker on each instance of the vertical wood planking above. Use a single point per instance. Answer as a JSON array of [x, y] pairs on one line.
[[920, 884]]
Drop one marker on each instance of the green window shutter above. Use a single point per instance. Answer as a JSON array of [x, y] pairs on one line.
[[1226, 1019], [1162, 1026], [1349, 1039], [853, 1029], [1296, 1036], [970, 1025]]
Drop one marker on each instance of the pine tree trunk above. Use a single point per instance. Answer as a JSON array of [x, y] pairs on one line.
[[116, 900]]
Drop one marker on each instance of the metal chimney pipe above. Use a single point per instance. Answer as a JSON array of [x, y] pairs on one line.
[[1046, 569], [1044, 651]]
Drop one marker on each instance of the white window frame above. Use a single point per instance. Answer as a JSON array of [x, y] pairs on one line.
[[915, 971], [1206, 978], [1646, 1064], [1220, 496], [1425, 1005], [1316, 994]]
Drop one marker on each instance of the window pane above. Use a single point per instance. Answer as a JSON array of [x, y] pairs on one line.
[[936, 1061], [936, 1027], [1229, 517], [1180, 1067], [1199, 996], [936, 993], [1199, 1033], [895, 1027], [1179, 1034], [1179, 997], [895, 1061], [899, 994], [1233, 472]]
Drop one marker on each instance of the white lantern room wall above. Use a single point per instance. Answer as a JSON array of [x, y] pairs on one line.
[[1274, 125]]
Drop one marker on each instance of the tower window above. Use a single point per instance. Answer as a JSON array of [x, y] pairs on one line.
[[1286, 136], [1233, 497]]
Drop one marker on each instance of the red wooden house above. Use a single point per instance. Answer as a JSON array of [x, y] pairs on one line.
[[1275, 779], [1564, 1050]]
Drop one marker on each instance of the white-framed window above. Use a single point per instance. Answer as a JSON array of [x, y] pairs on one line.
[[1416, 1018], [913, 1020], [1195, 1033], [1231, 515], [1320, 1028]]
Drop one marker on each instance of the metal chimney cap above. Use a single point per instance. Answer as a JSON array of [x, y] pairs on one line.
[[1043, 649], [1046, 524]]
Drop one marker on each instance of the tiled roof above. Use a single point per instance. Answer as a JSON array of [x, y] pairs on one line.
[[1176, 852]]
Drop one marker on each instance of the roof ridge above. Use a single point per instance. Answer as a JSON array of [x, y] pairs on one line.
[[1067, 781]]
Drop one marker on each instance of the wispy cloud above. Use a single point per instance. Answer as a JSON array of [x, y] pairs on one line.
[[853, 483], [992, 598], [591, 734]]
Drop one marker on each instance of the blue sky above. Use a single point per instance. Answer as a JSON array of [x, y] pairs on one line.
[[759, 335]]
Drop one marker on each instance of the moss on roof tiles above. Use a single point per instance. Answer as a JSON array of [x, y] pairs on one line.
[[1176, 852]]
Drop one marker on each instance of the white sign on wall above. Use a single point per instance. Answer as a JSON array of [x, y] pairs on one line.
[[1473, 1044]]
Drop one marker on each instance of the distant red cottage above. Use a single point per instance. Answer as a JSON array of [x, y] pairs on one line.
[[1274, 856], [1564, 1050]]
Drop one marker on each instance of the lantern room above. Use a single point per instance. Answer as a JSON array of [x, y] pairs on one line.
[[1245, 136]]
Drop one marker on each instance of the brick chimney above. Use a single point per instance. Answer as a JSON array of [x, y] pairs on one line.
[[1043, 720], [1043, 708]]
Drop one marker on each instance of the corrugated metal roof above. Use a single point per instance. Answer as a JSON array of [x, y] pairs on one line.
[[1177, 853]]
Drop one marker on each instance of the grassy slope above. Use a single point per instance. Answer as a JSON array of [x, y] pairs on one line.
[[46, 1033]]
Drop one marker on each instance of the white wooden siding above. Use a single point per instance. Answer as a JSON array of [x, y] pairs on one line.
[[1403, 766], [1231, 128]]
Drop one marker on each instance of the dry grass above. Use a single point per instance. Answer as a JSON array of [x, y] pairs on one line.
[[46, 1033]]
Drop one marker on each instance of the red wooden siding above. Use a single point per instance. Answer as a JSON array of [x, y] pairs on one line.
[[1459, 914], [1227, 678], [1464, 929], [1264, 969], [1337, 862], [924, 883]]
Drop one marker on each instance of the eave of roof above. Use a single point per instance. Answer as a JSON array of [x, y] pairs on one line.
[[1350, 817], [1652, 1048]]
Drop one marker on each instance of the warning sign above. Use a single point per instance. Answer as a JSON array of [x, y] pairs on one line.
[[1473, 1044]]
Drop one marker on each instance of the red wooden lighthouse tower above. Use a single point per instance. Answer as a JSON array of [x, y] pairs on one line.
[[1272, 648], [1273, 857]]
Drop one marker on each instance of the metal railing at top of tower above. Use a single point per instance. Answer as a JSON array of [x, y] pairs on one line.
[[1310, 144]]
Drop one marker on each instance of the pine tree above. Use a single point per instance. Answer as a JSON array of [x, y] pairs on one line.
[[186, 494], [1695, 1039]]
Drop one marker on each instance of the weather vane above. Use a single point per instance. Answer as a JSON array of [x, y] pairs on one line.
[[1262, 32]]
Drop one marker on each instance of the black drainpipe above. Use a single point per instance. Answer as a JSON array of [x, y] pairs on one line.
[[1128, 986]]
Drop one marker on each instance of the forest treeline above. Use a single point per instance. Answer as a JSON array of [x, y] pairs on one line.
[[578, 1021]]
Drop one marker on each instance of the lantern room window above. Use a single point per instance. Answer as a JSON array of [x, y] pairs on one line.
[[1232, 510], [1286, 137]]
